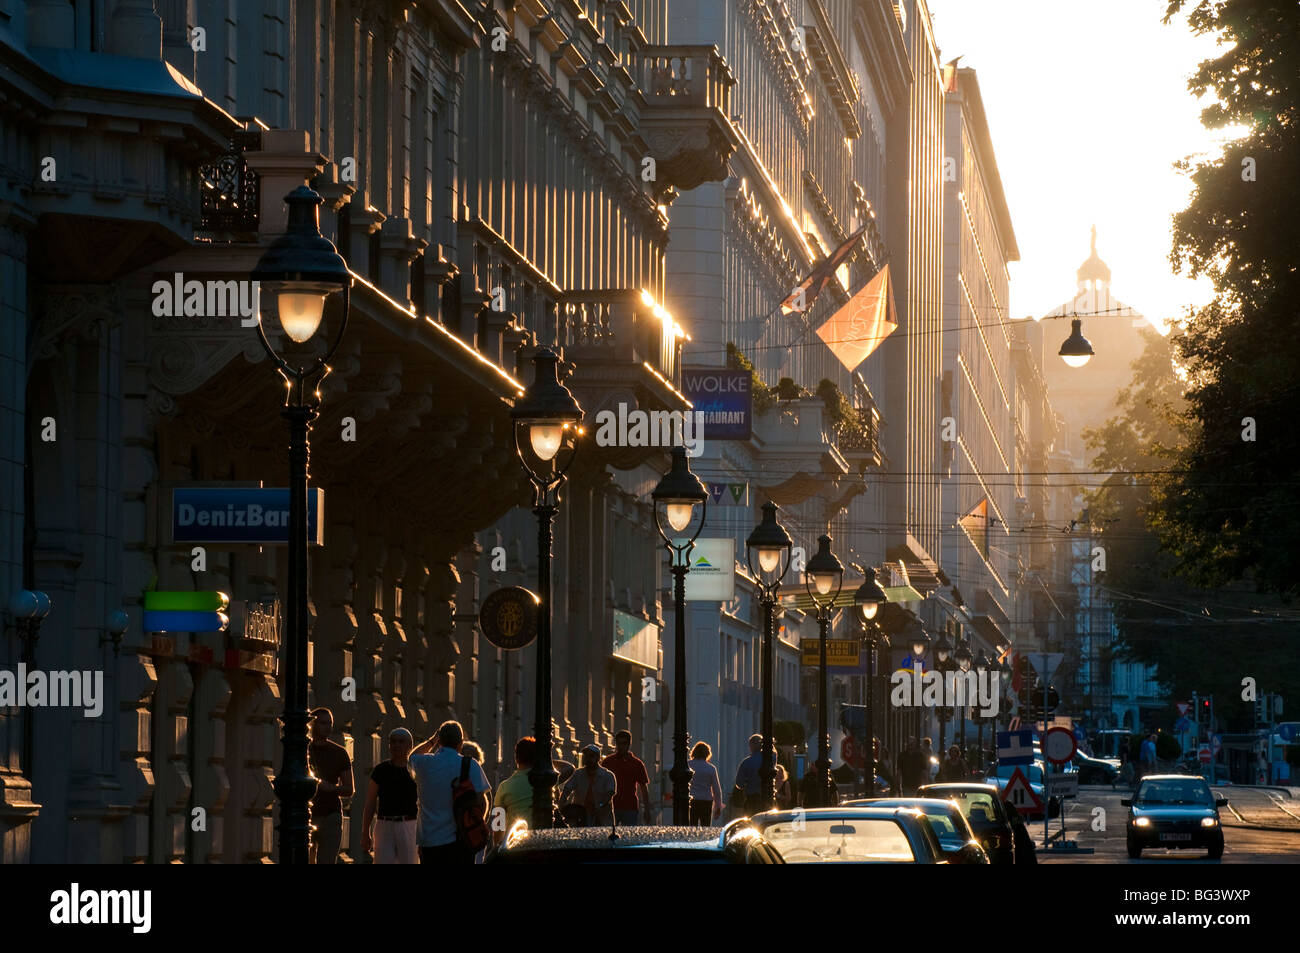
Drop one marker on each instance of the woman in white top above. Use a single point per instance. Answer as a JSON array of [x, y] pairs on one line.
[[706, 792]]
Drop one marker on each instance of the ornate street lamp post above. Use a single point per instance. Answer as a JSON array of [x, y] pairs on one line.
[[964, 659], [824, 578], [867, 602], [546, 439], [982, 667], [296, 276], [944, 664], [769, 546], [676, 497]]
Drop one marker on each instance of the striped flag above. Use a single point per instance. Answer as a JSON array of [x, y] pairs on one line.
[[857, 329], [805, 293]]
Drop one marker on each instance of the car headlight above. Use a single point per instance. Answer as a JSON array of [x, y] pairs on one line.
[[1141, 822], [1209, 822]]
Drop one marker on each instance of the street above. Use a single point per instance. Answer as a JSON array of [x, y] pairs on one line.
[[1259, 826]]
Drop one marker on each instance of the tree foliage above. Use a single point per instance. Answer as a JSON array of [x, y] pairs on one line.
[[1230, 509]]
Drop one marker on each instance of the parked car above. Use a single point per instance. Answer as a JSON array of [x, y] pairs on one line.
[[1174, 811], [1095, 770], [739, 843], [854, 835], [985, 813], [959, 843]]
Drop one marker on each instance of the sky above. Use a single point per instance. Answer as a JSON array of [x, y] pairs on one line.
[[1088, 109]]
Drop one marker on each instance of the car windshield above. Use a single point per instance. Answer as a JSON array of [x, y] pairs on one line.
[[1174, 791], [977, 806], [857, 840]]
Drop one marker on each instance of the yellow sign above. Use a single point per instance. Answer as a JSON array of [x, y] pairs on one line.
[[840, 653]]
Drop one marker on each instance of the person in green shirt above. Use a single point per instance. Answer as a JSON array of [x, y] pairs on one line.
[[514, 797]]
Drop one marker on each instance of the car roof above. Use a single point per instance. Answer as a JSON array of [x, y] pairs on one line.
[[598, 838], [992, 789], [1174, 777], [917, 802]]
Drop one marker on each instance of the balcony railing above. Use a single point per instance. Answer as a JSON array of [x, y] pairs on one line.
[[618, 325], [230, 191], [859, 432], [686, 76]]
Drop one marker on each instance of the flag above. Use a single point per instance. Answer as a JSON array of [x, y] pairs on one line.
[[857, 329], [976, 525], [805, 293]]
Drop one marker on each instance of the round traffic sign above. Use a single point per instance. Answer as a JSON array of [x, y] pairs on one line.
[[1059, 745], [1205, 754]]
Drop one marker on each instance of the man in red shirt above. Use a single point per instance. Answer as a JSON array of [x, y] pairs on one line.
[[632, 780]]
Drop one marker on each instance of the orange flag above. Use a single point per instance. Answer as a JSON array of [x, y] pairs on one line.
[[857, 329]]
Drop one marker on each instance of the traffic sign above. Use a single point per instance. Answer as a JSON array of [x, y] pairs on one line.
[[1059, 745], [1016, 747], [1204, 754], [1019, 793], [1063, 785], [1045, 663], [1288, 730], [1182, 707], [1216, 744]]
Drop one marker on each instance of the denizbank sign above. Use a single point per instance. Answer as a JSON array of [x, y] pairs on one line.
[[227, 514]]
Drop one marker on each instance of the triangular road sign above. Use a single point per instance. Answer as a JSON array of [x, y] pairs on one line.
[[1019, 793], [1182, 707], [1045, 663]]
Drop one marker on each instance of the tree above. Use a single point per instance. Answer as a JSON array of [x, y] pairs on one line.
[[1203, 640], [1228, 508]]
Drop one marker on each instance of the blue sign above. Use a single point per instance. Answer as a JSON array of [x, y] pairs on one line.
[[1183, 724], [231, 514], [726, 398], [169, 620], [1016, 747], [1289, 730]]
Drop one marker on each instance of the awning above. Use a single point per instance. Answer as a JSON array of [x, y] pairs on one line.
[[989, 631], [798, 598], [922, 570]]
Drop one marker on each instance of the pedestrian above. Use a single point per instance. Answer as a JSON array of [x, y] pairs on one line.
[[633, 781], [590, 791], [706, 789], [783, 799], [438, 766], [1148, 755], [332, 767], [514, 798], [954, 766], [471, 749], [1022, 845], [811, 791], [745, 797], [393, 794], [910, 768], [930, 764]]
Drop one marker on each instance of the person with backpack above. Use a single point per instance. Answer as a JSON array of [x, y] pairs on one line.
[[452, 791]]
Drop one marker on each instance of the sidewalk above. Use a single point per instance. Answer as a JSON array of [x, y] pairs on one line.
[[1260, 807]]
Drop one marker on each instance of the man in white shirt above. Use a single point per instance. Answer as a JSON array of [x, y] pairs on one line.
[[435, 774]]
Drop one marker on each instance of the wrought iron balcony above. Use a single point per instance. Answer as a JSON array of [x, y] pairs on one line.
[[687, 119], [230, 192], [858, 437]]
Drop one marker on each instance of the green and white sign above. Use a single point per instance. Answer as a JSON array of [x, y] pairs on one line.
[[713, 571]]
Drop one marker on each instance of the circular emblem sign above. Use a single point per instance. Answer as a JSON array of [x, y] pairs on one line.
[[509, 617], [1059, 745]]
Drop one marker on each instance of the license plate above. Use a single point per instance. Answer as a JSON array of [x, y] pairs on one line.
[[1175, 836]]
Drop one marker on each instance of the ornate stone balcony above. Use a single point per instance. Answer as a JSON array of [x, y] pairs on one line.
[[686, 119]]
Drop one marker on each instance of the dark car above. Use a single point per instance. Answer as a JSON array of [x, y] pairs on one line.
[[1095, 770], [959, 843], [1175, 811], [986, 814], [739, 844], [854, 835]]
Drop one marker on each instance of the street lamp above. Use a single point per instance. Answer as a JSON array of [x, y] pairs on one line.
[[296, 276], [867, 601], [982, 666], [546, 421], [676, 497], [1076, 351], [769, 546], [824, 578], [27, 609], [963, 659], [944, 664]]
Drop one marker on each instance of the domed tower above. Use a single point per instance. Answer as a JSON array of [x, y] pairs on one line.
[[1094, 274]]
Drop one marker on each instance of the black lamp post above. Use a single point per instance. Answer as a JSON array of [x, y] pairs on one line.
[[823, 578], [546, 426], [963, 658], [296, 275], [944, 664], [918, 641], [676, 497], [982, 667], [1076, 351], [769, 545], [27, 609], [867, 602]]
